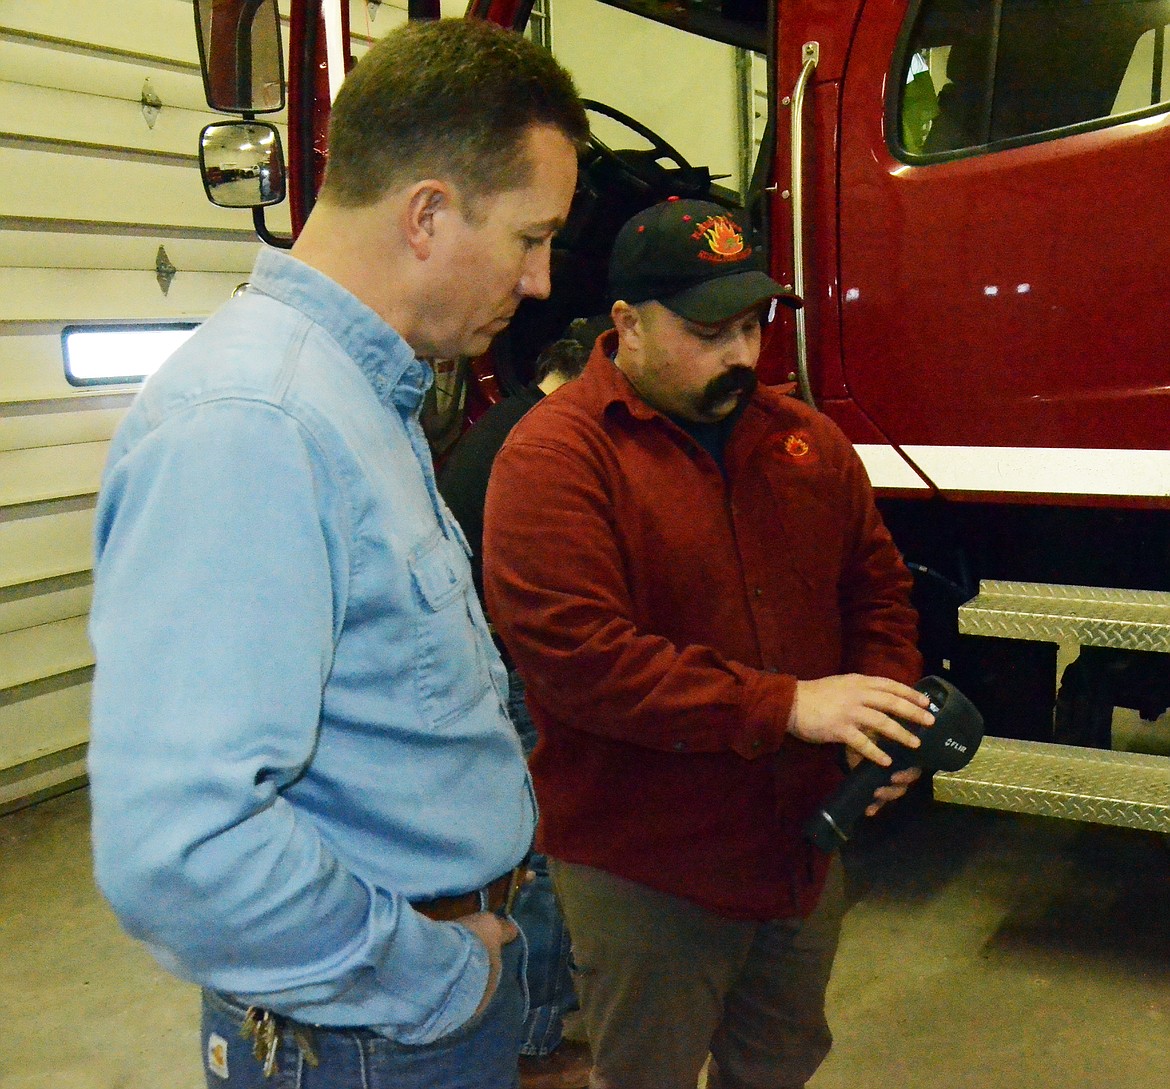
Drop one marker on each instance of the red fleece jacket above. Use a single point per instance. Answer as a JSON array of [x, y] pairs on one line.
[[661, 612]]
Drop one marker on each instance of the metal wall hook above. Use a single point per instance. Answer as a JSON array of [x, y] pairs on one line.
[[164, 271], [151, 104]]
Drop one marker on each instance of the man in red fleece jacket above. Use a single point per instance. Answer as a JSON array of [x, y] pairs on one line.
[[692, 577]]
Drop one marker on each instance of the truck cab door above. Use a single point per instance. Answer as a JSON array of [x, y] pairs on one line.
[[1003, 253]]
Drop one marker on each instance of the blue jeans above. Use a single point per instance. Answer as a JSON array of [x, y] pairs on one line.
[[478, 1055], [550, 979]]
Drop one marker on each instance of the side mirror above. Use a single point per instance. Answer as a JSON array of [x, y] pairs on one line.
[[240, 55], [242, 164]]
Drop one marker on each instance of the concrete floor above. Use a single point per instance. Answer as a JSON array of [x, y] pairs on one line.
[[983, 950], [997, 951]]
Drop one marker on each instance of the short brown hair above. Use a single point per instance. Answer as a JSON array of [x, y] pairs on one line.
[[448, 98], [564, 357]]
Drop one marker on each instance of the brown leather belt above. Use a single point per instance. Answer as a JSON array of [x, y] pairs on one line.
[[498, 896]]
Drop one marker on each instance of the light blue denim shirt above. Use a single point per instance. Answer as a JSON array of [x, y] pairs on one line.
[[298, 715]]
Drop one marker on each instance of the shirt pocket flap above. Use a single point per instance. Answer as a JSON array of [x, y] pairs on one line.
[[435, 577]]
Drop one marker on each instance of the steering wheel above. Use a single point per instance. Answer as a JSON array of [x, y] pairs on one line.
[[633, 168]]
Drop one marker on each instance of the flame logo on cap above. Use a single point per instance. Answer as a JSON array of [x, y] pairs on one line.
[[724, 239]]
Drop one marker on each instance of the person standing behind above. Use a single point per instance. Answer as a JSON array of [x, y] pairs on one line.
[[463, 476], [307, 796], [547, 1061], [691, 575]]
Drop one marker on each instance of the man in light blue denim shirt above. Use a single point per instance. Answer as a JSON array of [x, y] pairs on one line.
[[307, 795]]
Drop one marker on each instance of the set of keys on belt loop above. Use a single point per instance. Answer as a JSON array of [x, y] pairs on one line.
[[264, 1029]]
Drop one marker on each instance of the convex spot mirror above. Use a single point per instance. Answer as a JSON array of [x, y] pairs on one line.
[[240, 55], [242, 164]]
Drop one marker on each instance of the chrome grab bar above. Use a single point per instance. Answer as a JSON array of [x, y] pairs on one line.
[[811, 54]]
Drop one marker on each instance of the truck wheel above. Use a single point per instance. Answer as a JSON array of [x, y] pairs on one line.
[[1084, 703]]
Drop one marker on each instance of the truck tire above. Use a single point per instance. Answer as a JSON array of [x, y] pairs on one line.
[[1084, 703]]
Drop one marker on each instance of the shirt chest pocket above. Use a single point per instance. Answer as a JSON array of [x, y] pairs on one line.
[[451, 669]]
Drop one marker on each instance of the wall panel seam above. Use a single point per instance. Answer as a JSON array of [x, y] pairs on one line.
[[103, 151], [47, 41], [135, 230]]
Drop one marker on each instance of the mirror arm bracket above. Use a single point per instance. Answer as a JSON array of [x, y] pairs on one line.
[[283, 242]]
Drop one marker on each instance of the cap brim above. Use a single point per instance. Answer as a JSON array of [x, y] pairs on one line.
[[723, 298]]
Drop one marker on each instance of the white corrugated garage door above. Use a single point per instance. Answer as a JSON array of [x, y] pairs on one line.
[[98, 190]]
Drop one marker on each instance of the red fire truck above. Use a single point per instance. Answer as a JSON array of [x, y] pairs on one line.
[[969, 196]]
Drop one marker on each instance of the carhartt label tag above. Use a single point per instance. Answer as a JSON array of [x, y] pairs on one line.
[[217, 1056]]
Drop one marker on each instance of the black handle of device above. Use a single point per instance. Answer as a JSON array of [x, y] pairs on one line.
[[947, 745]]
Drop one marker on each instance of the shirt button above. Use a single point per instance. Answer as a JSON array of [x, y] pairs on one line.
[[759, 592], [680, 746]]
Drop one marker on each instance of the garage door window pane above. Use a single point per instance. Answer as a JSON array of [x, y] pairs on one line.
[[111, 355]]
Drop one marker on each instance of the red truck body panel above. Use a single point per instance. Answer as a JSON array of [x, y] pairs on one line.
[[989, 324], [1019, 294]]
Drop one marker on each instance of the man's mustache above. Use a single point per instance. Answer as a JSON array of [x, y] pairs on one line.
[[720, 388]]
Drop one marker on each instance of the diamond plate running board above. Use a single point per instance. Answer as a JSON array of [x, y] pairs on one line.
[[1088, 615], [1130, 790]]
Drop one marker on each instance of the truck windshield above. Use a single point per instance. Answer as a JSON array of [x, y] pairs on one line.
[[737, 22], [694, 74], [675, 109]]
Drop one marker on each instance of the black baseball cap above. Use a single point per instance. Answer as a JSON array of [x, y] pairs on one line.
[[695, 259]]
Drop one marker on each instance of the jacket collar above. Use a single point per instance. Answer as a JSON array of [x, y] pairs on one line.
[[769, 407]]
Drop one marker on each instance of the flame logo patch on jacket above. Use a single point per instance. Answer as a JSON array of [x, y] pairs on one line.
[[724, 240], [796, 446]]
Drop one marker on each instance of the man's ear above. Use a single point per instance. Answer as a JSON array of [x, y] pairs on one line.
[[427, 202], [628, 323]]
